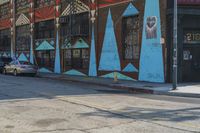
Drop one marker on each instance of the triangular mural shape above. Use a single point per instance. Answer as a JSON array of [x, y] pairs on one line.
[[45, 46], [66, 45], [80, 8], [75, 73], [130, 68], [44, 70], [80, 44], [130, 11], [93, 65], [119, 76], [151, 57], [57, 67], [22, 57], [109, 60], [22, 20], [5, 54]]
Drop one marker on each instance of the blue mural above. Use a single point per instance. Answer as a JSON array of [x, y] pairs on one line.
[[57, 68], [22, 57], [31, 51], [74, 72], [130, 68], [80, 44], [45, 46], [109, 60], [130, 11], [151, 59], [44, 70], [119, 76], [93, 65]]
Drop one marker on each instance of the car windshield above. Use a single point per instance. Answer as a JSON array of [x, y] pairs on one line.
[[24, 63]]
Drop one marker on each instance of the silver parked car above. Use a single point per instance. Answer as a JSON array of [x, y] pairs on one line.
[[20, 67]]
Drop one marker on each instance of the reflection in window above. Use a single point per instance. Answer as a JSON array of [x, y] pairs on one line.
[[130, 38], [5, 39], [22, 5], [43, 3]]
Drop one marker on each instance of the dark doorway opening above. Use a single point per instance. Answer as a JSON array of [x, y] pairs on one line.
[[191, 63]]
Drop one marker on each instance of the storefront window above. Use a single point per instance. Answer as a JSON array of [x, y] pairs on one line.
[[75, 25], [23, 38], [130, 38], [5, 40], [46, 59], [76, 58], [44, 29], [4, 10], [68, 58]]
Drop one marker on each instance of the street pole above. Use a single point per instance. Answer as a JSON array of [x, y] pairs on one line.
[[175, 65]]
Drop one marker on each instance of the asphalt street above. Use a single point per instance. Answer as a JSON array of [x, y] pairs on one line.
[[37, 105]]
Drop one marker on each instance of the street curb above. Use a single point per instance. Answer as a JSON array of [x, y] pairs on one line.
[[134, 90], [113, 85], [178, 94]]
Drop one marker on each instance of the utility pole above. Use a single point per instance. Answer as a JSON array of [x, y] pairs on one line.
[[175, 64]]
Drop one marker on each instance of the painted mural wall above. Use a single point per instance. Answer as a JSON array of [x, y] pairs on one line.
[[108, 38], [135, 54], [151, 59]]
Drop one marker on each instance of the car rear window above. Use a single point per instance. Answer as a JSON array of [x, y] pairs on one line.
[[7, 60]]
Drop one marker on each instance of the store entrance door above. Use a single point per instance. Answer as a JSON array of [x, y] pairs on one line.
[[191, 64]]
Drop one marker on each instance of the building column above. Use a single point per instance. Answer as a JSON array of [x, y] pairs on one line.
[[12, 28], [93, 64], [57, 65], [31, 31]]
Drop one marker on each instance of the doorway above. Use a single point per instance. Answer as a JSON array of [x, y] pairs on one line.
[[191, 63]]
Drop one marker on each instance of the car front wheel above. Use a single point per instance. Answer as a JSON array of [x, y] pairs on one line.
[[4, 71], [15, 72]]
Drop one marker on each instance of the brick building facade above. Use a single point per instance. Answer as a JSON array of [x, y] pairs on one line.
[[88, 37]]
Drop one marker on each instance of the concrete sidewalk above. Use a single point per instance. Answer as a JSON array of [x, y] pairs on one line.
[[183, 90]]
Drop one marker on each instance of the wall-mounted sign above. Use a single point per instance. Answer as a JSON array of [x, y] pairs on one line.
[[192, 37]]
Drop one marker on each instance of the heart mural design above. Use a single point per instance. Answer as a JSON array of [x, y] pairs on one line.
[[151, 27]]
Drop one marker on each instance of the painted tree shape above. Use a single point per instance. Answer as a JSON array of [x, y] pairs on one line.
[[151, 59], [93, 66], [109, 60]]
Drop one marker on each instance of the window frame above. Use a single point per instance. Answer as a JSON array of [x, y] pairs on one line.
[[124, 34], [40, 33], [5, 44], [80, 22]]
